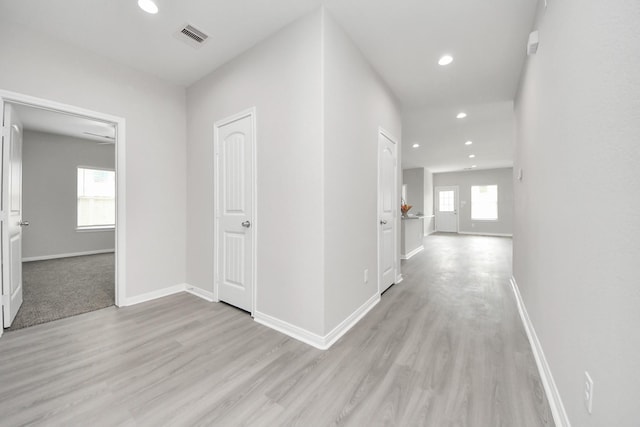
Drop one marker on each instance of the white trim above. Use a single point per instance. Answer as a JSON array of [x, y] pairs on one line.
[[120, 168], [67, 255], [149, 296], [485, 234], [287, 328], [250, 112], [95, 228], [348, 323], [315, 340], [399, 278], [205, 295], [553, 394], [413, 252]]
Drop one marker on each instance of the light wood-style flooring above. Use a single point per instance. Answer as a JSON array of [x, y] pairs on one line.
[[445, 347]]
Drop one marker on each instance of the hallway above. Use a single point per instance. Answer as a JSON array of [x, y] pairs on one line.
[[445, 347]]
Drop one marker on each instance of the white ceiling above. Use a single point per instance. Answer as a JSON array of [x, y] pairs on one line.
[[402, 39], [442, 138], [120, 30], [41, 120]]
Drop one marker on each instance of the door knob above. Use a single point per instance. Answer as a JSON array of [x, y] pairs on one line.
[[383, 221], [23, 223], [246, 224]]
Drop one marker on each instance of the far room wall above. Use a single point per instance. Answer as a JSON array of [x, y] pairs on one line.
[[429, 221], [414, 180], [502, 177], [49, 191], [419, 182]]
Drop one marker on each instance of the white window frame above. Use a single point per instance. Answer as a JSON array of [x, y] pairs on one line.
[[94, 228]]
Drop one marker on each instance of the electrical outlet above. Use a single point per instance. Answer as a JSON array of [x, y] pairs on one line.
[[366, 275], [588, 391]]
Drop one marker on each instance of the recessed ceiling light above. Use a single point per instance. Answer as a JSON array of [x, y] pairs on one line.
[[474, 166], [445, 60], [416, 145], [461, 115], [471, 156], [148, 6], [468, 143]]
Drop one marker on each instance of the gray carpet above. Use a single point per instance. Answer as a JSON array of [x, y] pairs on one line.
[[58, 288]]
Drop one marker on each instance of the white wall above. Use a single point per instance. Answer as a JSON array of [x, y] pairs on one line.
[[577, 227], [49, 194], [356, 104], [464, 180], [281, 77], [155, 142], [414, 180], [429, 220]]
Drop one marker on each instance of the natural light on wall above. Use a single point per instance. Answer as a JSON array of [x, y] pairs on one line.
[[96, 198], [484, 202]]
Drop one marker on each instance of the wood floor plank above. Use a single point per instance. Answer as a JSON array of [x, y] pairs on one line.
[[443, 348]]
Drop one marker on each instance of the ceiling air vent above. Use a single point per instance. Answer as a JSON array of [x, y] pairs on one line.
[[191, 35]]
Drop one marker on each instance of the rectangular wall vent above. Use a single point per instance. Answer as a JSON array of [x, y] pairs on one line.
[[191, 35]]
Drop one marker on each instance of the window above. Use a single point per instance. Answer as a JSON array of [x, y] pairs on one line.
[[446, 201], [96, 198], [484, 202]]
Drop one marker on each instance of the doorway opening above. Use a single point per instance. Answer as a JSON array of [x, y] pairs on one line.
[[62, 210]]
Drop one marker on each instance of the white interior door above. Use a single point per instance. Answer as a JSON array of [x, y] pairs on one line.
[[387, 211], [235, 231], [12, 214], [446, 209]]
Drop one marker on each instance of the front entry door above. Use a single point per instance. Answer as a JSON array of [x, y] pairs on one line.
[[12, 209], [235, 230], [387, 211], [447, 209]]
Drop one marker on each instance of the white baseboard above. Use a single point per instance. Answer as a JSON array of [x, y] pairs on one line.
[[429, 233], [287, 328], [68, 255], [485, 234], [413, 252], [206, 295], [553, 394], [348, 323], [399, 279], [156, 294], [315, 340]]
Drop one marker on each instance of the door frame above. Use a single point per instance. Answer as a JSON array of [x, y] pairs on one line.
[[120, 138], [250, 112], [396, 218], [436, 205]]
